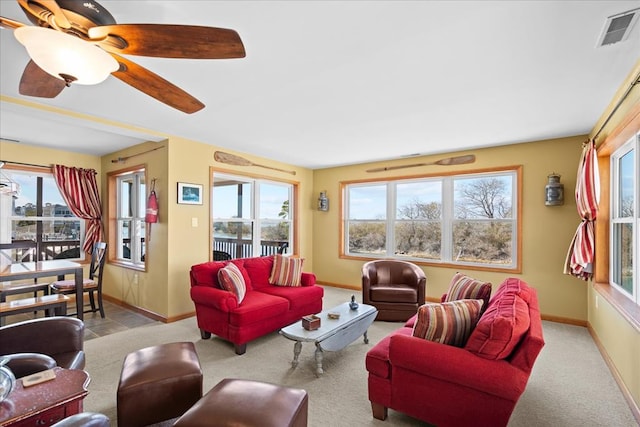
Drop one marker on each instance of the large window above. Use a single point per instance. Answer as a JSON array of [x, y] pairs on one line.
[[251, 217], [35, 222], [469, 219], [625, 219], [127, 227]]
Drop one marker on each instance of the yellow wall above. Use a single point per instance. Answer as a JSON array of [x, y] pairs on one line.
[[547, 231], [20, 152], [618, 337], [175, 244], [144, 289]]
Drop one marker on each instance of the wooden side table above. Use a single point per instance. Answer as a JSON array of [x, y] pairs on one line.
[[46, 403]]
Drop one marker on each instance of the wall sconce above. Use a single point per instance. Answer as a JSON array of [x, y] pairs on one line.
[[554, 191], [323, 202]]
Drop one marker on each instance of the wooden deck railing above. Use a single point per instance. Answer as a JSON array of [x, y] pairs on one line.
[[243, 248], [29, 250]]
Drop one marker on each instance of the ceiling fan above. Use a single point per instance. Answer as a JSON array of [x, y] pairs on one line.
[[91, 33]]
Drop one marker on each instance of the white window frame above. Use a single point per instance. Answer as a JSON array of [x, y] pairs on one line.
[[255, 219], [137, 227], [633, 145], [447, 221]]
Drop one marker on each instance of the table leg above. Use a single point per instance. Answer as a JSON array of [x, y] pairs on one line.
[[366, 338], [79, 294], [319, 355], [297, 347]]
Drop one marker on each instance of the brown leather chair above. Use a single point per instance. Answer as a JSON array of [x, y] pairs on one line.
[[61, 338], [23, 364], [396, 288]]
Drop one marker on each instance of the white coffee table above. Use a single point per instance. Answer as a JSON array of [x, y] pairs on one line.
[[333, 334]]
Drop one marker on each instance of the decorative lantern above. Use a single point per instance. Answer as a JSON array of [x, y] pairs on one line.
[[554, 191], [323, 202]]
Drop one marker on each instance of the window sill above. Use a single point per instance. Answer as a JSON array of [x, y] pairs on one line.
[[627, 308], [128, 265]]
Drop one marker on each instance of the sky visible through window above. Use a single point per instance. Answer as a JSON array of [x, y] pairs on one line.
[[271, 199], [27, 192], [369, 201]]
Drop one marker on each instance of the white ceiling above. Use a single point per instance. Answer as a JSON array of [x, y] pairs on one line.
[[328, 83]]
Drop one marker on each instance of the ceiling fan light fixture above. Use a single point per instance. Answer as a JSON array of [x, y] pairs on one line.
[[63, 55]]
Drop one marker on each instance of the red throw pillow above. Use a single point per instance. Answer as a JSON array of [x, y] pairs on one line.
[[500, 328]]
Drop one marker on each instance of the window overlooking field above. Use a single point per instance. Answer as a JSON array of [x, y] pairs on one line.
[[468, 219], [35, 217]]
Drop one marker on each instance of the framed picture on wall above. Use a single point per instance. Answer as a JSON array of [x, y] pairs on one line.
[[189, 194]]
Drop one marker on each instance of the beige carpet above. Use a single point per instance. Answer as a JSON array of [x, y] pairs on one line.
[[570, 384]]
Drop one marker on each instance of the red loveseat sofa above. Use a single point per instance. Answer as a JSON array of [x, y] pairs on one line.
[[265, 307], [475, 385]]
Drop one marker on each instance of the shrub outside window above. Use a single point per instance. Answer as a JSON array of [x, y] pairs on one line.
[[465, 219]]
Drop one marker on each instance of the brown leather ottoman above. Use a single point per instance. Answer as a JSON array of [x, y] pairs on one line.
[[234, 402], [158, 383]]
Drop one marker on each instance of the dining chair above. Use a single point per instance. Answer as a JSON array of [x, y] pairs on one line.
[[92, 284]]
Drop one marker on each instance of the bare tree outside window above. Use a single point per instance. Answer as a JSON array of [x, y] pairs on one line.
[[418, 231], [467, 219], [483, 229]]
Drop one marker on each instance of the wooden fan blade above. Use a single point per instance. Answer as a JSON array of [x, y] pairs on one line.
[[170, 41], [232, 159], [40, 9], [155, 86], [10, 24], [36, 82], [457, 160]]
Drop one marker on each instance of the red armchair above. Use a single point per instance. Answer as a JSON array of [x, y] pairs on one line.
[[477, 385]]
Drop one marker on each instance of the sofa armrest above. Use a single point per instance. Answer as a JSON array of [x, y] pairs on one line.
[[456, 365], [213, 297], [308, 279]]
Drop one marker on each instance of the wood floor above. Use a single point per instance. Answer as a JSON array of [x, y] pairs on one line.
[[117, 318]]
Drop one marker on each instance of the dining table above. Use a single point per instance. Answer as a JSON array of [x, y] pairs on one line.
[[48, 268]]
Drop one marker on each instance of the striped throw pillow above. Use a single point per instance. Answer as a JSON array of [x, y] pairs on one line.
[[231, 279], [286, 271], [448, 322], [465, 287]]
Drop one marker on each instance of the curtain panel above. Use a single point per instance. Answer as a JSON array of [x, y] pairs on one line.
[[579, 261], [79, 188]]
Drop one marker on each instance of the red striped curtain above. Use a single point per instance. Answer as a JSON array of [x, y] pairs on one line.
[[79, 189], [581, 254]]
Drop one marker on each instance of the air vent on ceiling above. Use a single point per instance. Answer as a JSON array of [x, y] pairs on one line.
[[618, 27]]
